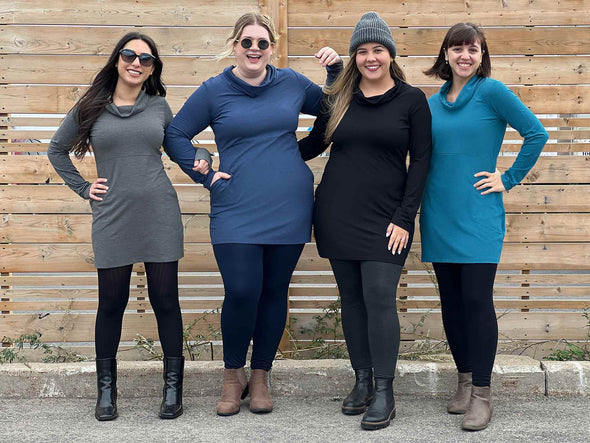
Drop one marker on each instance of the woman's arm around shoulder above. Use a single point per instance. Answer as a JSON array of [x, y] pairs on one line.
[[193, 118], [509, 107], [313, 144]]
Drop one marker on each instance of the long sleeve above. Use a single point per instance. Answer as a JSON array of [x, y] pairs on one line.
[[506, 104], [59, 156], [313, 144], [420, 151], [190, 120], [313, 93]]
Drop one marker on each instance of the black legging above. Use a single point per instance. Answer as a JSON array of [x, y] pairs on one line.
[[369, 313], [256, 281], [469, 317], [113, 295]]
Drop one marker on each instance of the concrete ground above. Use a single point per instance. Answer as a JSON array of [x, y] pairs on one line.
[[317, 419]]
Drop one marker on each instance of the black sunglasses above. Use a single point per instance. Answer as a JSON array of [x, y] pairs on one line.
[[145, 59], [263, 44]]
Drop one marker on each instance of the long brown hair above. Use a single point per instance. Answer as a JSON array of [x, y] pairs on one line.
[[97, 97], [339, 94]]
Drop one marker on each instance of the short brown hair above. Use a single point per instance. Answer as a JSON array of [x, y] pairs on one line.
[[459, 34]]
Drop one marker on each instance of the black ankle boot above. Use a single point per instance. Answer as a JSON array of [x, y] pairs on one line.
[[361, 394], [106, 403], [173, 375], [382, 408]]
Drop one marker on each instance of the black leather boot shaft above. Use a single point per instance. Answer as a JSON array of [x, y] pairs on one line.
[[106, 376], [362, 393], [172, 395], [382, 407]]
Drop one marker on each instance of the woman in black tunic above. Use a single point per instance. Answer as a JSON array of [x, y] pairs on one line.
[[366, 204]]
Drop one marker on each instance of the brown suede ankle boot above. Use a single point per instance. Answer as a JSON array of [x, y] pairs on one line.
[[459, 403], [479, 412], [260, 400], [235, 387]]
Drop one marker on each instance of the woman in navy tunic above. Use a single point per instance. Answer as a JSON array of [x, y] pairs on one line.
[[261, 197]]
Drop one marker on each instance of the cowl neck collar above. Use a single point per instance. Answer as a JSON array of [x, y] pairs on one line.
[[127, 111], [464, 96], [375, 100], [249, 90]]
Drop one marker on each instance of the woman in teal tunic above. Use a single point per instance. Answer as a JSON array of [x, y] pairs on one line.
[[462, 219]]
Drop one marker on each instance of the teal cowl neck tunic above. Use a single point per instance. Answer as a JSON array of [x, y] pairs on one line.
[[457, 223]]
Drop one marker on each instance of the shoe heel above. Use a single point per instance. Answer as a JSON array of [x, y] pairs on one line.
[[245, 392]]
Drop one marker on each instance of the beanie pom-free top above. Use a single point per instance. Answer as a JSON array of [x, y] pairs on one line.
[[371, 28]]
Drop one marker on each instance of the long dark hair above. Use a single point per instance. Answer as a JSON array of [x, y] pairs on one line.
[[99, 94], [457, 35]]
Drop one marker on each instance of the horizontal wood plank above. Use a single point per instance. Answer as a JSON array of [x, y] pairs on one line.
[[564, 40], [194, 199], [57, 228], [77, 257], [113, 12], [17, 39], [37, 169], [38, 99], [300, 282], [446, 13], [191, 71], [80, 327]]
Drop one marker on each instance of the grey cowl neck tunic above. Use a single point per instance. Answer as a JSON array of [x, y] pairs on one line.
[[139, 218]]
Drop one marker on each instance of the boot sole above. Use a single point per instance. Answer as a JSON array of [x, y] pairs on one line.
[[261, 410], [373, 426], [456, 412], [353, 411], [173, 416], [106, 418], [227, 414]]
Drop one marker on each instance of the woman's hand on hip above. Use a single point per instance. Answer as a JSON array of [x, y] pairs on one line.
[[201, 166], [492, 181], [398, 238], [218, 175], [327, 56], [98, 188]]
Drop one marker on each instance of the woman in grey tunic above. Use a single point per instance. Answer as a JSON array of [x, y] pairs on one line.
[[135, 211]]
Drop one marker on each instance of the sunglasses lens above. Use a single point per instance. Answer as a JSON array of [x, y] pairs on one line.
[[127, 55], [246, 43], [146, 60], [262, 43]]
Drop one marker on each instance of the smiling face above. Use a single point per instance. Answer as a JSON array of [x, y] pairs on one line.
[[372, 61], [252, 62], [464, 60], [133, 74]]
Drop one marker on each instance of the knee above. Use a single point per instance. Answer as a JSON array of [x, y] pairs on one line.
[[241, 296]]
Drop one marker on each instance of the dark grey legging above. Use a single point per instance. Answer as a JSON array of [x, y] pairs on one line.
[[369, 313]]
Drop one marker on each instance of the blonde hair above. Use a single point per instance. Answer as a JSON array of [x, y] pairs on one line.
[[339, 94], [248, 19]]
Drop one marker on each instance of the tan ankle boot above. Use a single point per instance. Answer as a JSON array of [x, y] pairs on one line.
[[459, 403], [479, 412], [260, 400], [235, 387]]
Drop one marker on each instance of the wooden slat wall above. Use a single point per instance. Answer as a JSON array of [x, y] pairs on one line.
[[49, 52]]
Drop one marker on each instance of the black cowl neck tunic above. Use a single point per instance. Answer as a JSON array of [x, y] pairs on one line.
[[366, 184]]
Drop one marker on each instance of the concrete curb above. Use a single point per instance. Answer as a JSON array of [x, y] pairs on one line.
[[567, 377], [513, 376]]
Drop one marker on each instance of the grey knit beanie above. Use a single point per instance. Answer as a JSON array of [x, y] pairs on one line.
[[372, 28]]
